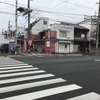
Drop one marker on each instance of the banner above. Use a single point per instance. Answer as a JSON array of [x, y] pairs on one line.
[[25, 45]]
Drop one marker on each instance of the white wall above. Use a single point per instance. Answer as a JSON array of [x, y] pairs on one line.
[[39, 26], [2, 40], [58, 28], [60, 48]]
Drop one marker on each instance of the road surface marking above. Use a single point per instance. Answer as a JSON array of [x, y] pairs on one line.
[[26, 78], [21, 73], [45, 93], [7, 68], [97, 60], [9, 71], [89, 96], [30, 85], [11, 65]]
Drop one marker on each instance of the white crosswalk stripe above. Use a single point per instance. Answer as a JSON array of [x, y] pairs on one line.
[[23, 77], [88, 96], [11, 65], [26, 78], [30, 85], [22, 73], [45, 93], [9, 71], [5, 68]]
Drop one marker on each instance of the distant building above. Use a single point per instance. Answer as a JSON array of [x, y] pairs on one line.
[[3, 40], [81, 42], [62, 38]]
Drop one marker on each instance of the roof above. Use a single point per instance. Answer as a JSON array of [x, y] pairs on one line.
[[76, 26]]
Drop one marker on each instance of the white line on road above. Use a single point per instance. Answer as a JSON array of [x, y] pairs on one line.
[[89, 96], [9, 71], [31, 85], [97, 60], [26, 78], [6, 68], [45, 93], [21, 73], [4, 65]]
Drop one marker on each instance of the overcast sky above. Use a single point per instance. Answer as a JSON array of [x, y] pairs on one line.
[[73, 11]]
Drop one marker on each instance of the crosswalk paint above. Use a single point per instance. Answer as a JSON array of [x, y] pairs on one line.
[[11, 65], [88, 96], [22, 73], [9, 71], [26, 78], [16, 70], [45, 93], [31, 85], [97, 60], [14, 67]]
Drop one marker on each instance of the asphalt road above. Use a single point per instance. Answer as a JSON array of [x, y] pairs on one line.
[[81, 70]]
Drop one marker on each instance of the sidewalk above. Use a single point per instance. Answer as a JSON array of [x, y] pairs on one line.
[[15, 55]]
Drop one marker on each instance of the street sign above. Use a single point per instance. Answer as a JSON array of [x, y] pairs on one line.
[[19, 34]]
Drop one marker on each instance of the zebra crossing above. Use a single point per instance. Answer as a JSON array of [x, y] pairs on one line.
[[20, 81]]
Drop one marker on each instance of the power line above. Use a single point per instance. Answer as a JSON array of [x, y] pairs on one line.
[[92, 8], [59, 12], [7, 3], [80, 5], [62, 2], [58, 4], [6, 13]]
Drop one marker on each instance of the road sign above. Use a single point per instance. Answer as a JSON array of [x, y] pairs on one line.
[[19, 34]]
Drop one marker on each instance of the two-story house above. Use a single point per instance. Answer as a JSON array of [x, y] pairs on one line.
[[91, 24], [81, 42], [63, 38], [58, 39]]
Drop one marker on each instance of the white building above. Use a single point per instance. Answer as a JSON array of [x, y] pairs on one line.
[[3, 40], [40, 24], [64, 38]]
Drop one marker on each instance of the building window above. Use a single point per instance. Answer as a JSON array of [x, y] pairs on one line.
[[64, 34], [44, 22], [65, 45]]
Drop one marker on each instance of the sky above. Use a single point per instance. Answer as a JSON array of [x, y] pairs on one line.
[[72, 11]]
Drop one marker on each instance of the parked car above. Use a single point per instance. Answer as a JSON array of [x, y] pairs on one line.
[[4, 47]]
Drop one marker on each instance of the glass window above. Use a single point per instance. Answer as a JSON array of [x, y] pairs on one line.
[[63, 34], [44, 22], [65, 45]]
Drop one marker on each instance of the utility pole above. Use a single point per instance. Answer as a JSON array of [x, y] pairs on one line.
[[9, 27], [2, 32], [98, 25], [16, 25], [29, 23]]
